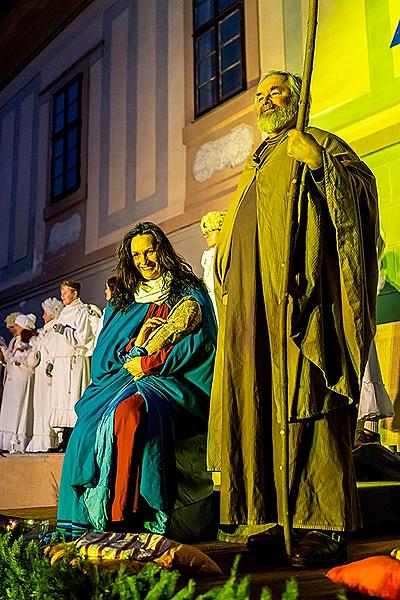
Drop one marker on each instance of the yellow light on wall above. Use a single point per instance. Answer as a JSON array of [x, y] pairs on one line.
[[341, 70]]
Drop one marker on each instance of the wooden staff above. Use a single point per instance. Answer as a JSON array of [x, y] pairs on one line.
[[301, 122]]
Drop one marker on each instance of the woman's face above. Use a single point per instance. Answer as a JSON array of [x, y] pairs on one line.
[[107, 293], [17, 330], [47, 317], [144, 256]]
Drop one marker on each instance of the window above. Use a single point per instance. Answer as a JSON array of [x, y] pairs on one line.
[[66, 139], [218, 52]]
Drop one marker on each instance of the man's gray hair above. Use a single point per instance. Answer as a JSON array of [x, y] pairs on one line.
[[294, 81]]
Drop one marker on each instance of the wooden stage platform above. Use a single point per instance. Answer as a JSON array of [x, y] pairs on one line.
[[29, 489], [32, 481], [29, 480]]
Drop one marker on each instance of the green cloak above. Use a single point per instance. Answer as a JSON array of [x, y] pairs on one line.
[[331, 322]]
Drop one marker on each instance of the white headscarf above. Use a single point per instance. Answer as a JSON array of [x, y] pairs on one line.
[[26, 321], [154, 290], [52, 306]]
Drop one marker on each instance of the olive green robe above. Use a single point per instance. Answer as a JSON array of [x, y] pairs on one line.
[[331, 322]]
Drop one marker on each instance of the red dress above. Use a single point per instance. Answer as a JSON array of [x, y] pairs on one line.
[[130, 432]]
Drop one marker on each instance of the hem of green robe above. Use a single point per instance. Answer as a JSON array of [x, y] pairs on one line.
[[297, 525]]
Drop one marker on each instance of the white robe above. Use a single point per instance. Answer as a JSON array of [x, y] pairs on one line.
[[96, 317], [16, 415], [69, 353], [207, 262], [7, 352], [375, 402], [99, 326], [44, 436]]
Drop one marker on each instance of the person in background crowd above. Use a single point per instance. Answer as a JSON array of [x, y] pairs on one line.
[[69, 364], [108, 292], [210, 226], [43, 435], [110, 288], [9, 321], [375, 403], [16, 415]]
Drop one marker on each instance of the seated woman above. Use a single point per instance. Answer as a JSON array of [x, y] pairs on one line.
[[141, 405]]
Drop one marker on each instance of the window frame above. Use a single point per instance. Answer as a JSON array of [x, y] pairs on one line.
[[80, 67], [197, 32], [63, 134]]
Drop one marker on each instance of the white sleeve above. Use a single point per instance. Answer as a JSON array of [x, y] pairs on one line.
[[34, 356], [8, 352], [23, 354], [82, 335], [50, 345]]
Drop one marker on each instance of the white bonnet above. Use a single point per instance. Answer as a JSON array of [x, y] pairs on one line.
[[26, 321]]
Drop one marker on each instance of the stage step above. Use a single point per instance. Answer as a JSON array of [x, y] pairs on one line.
[[380, 503], [32, 481]]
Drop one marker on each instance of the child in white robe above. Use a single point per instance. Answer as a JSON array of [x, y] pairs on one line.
[[44, 436], [16, 415]]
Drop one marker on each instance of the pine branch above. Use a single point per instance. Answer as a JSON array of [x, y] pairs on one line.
[[26, 573]]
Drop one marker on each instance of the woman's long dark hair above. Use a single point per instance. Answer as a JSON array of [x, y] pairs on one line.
[[26, 335], [110, 283], [129, 278]]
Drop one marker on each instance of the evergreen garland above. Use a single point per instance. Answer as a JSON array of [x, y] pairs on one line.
[[26, 574]]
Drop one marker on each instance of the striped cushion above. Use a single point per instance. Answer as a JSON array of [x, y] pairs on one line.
[[138, 546]]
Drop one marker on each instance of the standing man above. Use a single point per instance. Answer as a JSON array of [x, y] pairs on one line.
[[331, 322], [69, 362]]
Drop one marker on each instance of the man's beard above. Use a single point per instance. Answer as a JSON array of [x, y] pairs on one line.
[[278, 118]]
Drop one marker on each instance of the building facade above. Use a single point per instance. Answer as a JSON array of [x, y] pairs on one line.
[[119, 111]]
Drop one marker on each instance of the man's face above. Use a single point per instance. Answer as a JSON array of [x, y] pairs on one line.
[[274, 105], [47, 317], [68, 295], [144, 256]]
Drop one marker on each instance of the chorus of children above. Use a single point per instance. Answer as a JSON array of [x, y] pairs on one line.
[[46, 369]]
